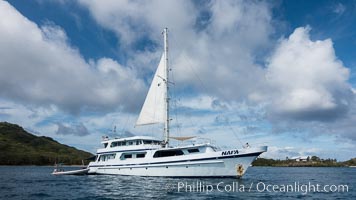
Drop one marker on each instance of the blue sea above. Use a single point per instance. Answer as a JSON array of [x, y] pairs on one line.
[[31, 182]]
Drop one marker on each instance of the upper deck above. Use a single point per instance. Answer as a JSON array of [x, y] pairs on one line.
[[129, 143]]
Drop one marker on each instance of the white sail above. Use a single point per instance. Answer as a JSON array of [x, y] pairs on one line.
[[153, 110]]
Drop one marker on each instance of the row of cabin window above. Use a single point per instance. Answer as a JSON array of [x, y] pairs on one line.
[[173, 152], [134, 142], [163, 153], [107, 157], [158, 154], [138, 155]]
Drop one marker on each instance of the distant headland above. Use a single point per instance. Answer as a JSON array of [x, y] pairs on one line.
[[18, 147], [310, 161]]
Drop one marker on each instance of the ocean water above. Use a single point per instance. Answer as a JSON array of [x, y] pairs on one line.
[[32, 182]]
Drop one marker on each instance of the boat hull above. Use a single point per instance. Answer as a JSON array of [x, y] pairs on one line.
[[214, 165]]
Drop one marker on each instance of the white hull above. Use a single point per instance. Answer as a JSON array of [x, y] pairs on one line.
[[212, 164]]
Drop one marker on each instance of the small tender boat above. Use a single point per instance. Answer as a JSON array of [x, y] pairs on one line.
[[60, 171], [72, 172]]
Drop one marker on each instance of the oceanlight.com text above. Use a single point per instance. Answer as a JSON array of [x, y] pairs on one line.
[[296, 187]]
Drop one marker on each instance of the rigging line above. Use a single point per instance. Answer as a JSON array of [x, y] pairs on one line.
[[173, 92], [196, 74], [174, 95], [234, 133], [125, 125], [204, 87], [190, 64], [111, 130]]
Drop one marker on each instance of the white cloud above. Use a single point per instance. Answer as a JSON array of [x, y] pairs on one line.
[[216, 61], [132, 20], [288, 151], [39, 67], [75, 129], [221, 54], [203, 102], [23, 115], [307, 80]]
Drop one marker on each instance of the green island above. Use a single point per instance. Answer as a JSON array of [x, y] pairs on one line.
[[18, 147], [311, 161]]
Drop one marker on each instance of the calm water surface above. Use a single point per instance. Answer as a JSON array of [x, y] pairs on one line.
[[37, 183]]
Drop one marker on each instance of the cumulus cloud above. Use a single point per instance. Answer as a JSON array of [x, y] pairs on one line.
[[221, 52], [38, 66], [220, 58], [309, 90], [77, 130], [307, 80], [135, 20]]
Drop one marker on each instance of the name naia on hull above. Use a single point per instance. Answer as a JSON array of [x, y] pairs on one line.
[[148, 156]]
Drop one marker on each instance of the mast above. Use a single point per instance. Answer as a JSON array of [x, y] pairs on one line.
[[167, 119]]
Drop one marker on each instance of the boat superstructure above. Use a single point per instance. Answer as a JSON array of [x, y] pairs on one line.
[[147, 156]]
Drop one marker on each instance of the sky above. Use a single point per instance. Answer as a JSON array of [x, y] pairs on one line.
[[276, 73]]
